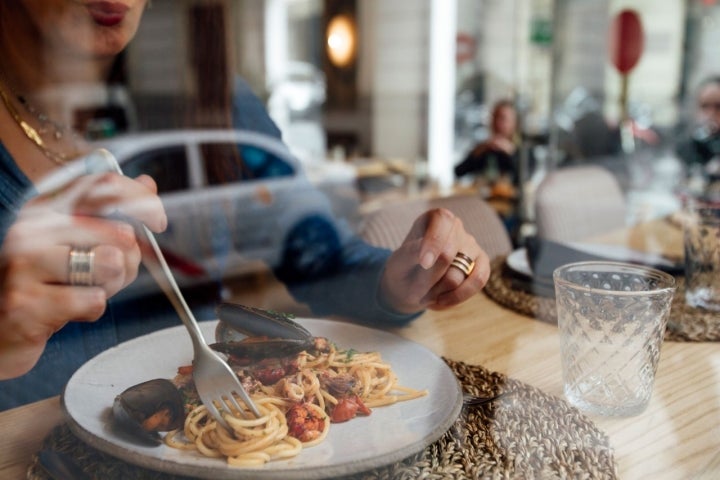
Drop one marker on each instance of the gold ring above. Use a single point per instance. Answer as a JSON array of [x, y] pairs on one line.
[[463, 263], [80, 266]]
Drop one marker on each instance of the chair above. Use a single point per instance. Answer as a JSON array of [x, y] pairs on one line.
[[388, 226], [574, 203]]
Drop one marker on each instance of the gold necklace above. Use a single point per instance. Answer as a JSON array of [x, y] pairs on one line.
[[47, 124], [32, 134]]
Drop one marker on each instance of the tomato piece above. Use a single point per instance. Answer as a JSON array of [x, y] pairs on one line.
[[362, 408], [347, 408], [185, 370]]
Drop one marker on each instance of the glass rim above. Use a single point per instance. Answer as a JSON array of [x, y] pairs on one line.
[[669, 282]]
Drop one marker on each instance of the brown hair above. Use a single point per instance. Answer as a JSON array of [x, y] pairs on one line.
[[212, 106], [499, 105]]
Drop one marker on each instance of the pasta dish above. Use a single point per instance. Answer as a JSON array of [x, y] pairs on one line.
[[298, 397]]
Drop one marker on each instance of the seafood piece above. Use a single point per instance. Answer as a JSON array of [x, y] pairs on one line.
[[257, 348], [254, 334], [256, 322], [344, 388], [304, 422], [149, 407], [339, 385], [347, 408]]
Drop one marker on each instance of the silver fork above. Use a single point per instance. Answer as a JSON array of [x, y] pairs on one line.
[[214, 379]]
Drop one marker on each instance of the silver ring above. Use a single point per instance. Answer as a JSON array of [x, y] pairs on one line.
[[463, 263], [80, 266]]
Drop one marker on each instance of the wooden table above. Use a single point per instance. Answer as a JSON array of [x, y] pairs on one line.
[[677, 437]]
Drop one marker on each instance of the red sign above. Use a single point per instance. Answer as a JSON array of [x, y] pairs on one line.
[[465, 48], [626, 40]]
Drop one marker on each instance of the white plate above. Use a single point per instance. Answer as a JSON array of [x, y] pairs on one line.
[[388, 435], [517, 261]]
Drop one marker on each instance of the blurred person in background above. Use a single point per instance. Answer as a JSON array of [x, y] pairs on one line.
[[495, 162], [496, 158], [53, 318], [701, 151]]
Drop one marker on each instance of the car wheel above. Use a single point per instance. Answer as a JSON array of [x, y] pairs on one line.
[[312, 247]]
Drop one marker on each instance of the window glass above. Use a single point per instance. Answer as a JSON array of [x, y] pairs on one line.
[[229, 162], [167, 166], [264, 164]]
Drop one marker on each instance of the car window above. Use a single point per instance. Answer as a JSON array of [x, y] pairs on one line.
[[168, 166], [263, 164], [229, 162]]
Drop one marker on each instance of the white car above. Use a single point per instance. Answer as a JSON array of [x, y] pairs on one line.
[[226, 220]]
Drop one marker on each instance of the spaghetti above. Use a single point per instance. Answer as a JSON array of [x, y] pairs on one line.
[[297, 409]]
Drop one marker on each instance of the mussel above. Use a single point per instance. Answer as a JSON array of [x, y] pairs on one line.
[[147, 408], [255, 334]]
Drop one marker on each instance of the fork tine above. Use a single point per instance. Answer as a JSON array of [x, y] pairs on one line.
[[232, 404], [246, 399], [210, 405], [235, 386]]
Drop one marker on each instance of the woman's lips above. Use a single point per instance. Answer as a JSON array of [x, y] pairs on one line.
[[107, 14]]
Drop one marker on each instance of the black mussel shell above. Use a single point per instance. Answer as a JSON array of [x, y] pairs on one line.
[[256, 322], [149, 407], [256, 348]]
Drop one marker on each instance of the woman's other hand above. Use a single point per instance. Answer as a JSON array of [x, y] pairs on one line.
[[420, 273]]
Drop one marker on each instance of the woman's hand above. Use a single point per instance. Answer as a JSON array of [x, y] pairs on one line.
[[420, 274], [36, 297], [500, 143]]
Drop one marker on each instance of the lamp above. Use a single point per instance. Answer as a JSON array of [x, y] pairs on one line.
[[341, 40]]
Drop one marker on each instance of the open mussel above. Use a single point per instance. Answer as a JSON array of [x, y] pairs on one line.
[[147, 408], [254, 334]]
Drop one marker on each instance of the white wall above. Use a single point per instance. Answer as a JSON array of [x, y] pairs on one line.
[[583, 42], [501, 46], [399, 77]]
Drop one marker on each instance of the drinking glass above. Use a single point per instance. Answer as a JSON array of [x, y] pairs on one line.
[[702, 253], [612, 319]]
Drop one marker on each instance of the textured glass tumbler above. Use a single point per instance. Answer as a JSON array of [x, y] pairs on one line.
[[702, 254], [612, 319]]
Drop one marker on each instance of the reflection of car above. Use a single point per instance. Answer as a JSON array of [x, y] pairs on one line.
[[226, 216]]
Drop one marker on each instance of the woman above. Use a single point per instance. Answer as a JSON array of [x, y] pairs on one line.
[[64, 259], [495, 161], [495, 158]]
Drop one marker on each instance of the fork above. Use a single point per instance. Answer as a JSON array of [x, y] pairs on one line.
[[214, 379]]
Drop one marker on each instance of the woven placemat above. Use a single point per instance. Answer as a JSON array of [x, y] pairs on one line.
[[527, 434], [685, 323]]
